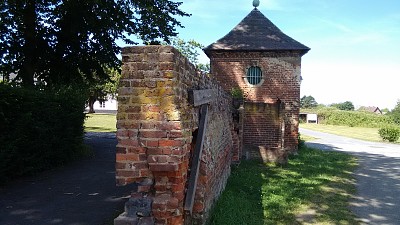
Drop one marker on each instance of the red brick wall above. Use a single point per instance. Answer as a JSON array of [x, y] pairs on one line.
[[262, 125], [281, 73], [154, 131]]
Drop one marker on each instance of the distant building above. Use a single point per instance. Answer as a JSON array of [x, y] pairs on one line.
[[308, 117], [110, 104], [371, 109]]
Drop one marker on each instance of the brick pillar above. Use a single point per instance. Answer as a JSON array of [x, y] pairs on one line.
[[152, 148]]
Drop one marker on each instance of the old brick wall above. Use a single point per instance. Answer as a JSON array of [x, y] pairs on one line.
[[262, 120], [155, 130], [281, 72]]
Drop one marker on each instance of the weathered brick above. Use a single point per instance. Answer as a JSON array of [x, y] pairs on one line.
[[170, 143], [166, 83], [178, 187], [152, 143], [144, 173], [167, 57], [170, 125], [166, 66], [133, 109], [175, 220], [137, 150], [121, 181], [163, 167], [121, 150], [127, 173], [119, 165], [151, 83], [127, 157], [172, 203], [175, 134], [153, 134], [129, 142], [154, 151]]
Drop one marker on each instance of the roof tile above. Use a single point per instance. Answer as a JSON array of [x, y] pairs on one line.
[[256, 33]]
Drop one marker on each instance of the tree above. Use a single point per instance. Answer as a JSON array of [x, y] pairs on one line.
[[395, 113], [205, 68], [190, 49], [308, 102], [103, 89], [385, 110], [73, 41], [347, 105], [187, 48]]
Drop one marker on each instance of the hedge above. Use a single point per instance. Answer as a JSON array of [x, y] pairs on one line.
[[353, 118], [39, 129]]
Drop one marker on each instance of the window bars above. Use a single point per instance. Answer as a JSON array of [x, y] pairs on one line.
[[254, 75]]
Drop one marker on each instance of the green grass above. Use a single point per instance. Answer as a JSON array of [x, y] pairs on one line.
[[100, 123], [313, 181], [307, 138], [362, 133]]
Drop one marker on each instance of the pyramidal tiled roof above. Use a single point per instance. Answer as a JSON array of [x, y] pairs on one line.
[[256, 33]]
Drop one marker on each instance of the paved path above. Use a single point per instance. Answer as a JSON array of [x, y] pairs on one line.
[[82, 193], [378, 177]]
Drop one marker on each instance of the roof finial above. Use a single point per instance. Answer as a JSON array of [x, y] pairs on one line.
[[256, 3]]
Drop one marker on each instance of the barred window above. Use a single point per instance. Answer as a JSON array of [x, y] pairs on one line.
[[254, 75]]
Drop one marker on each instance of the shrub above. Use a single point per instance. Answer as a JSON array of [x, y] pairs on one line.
[[237, 93], [39, 129], [390, 134]]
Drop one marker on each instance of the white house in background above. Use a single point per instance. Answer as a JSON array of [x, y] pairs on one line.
[[371, 109], [309, 117], [312, 118], [110, 104]]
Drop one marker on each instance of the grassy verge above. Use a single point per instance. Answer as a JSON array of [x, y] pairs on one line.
[[100, 123], [362, 133], [307, 138], [314, 187]]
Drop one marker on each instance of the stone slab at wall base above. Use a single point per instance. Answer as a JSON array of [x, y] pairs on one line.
[[137, 211], [273, 155], [123, 219]]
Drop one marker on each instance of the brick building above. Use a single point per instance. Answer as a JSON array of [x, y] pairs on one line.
[[262, 61]]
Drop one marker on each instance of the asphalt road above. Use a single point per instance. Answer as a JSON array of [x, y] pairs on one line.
[[81, 193], [378, 176]]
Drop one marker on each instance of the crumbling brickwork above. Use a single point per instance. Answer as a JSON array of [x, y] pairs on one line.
[[156, 128]]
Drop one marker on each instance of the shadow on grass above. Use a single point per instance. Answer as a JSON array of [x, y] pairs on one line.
[[98, 129], [313, 181], [378, 182]]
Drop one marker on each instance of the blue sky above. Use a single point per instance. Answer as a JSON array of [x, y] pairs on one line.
[[355, 44]]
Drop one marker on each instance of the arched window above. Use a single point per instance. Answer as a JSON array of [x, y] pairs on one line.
[[254, 75]]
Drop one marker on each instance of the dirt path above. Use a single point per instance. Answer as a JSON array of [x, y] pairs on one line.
[[378, 177]]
